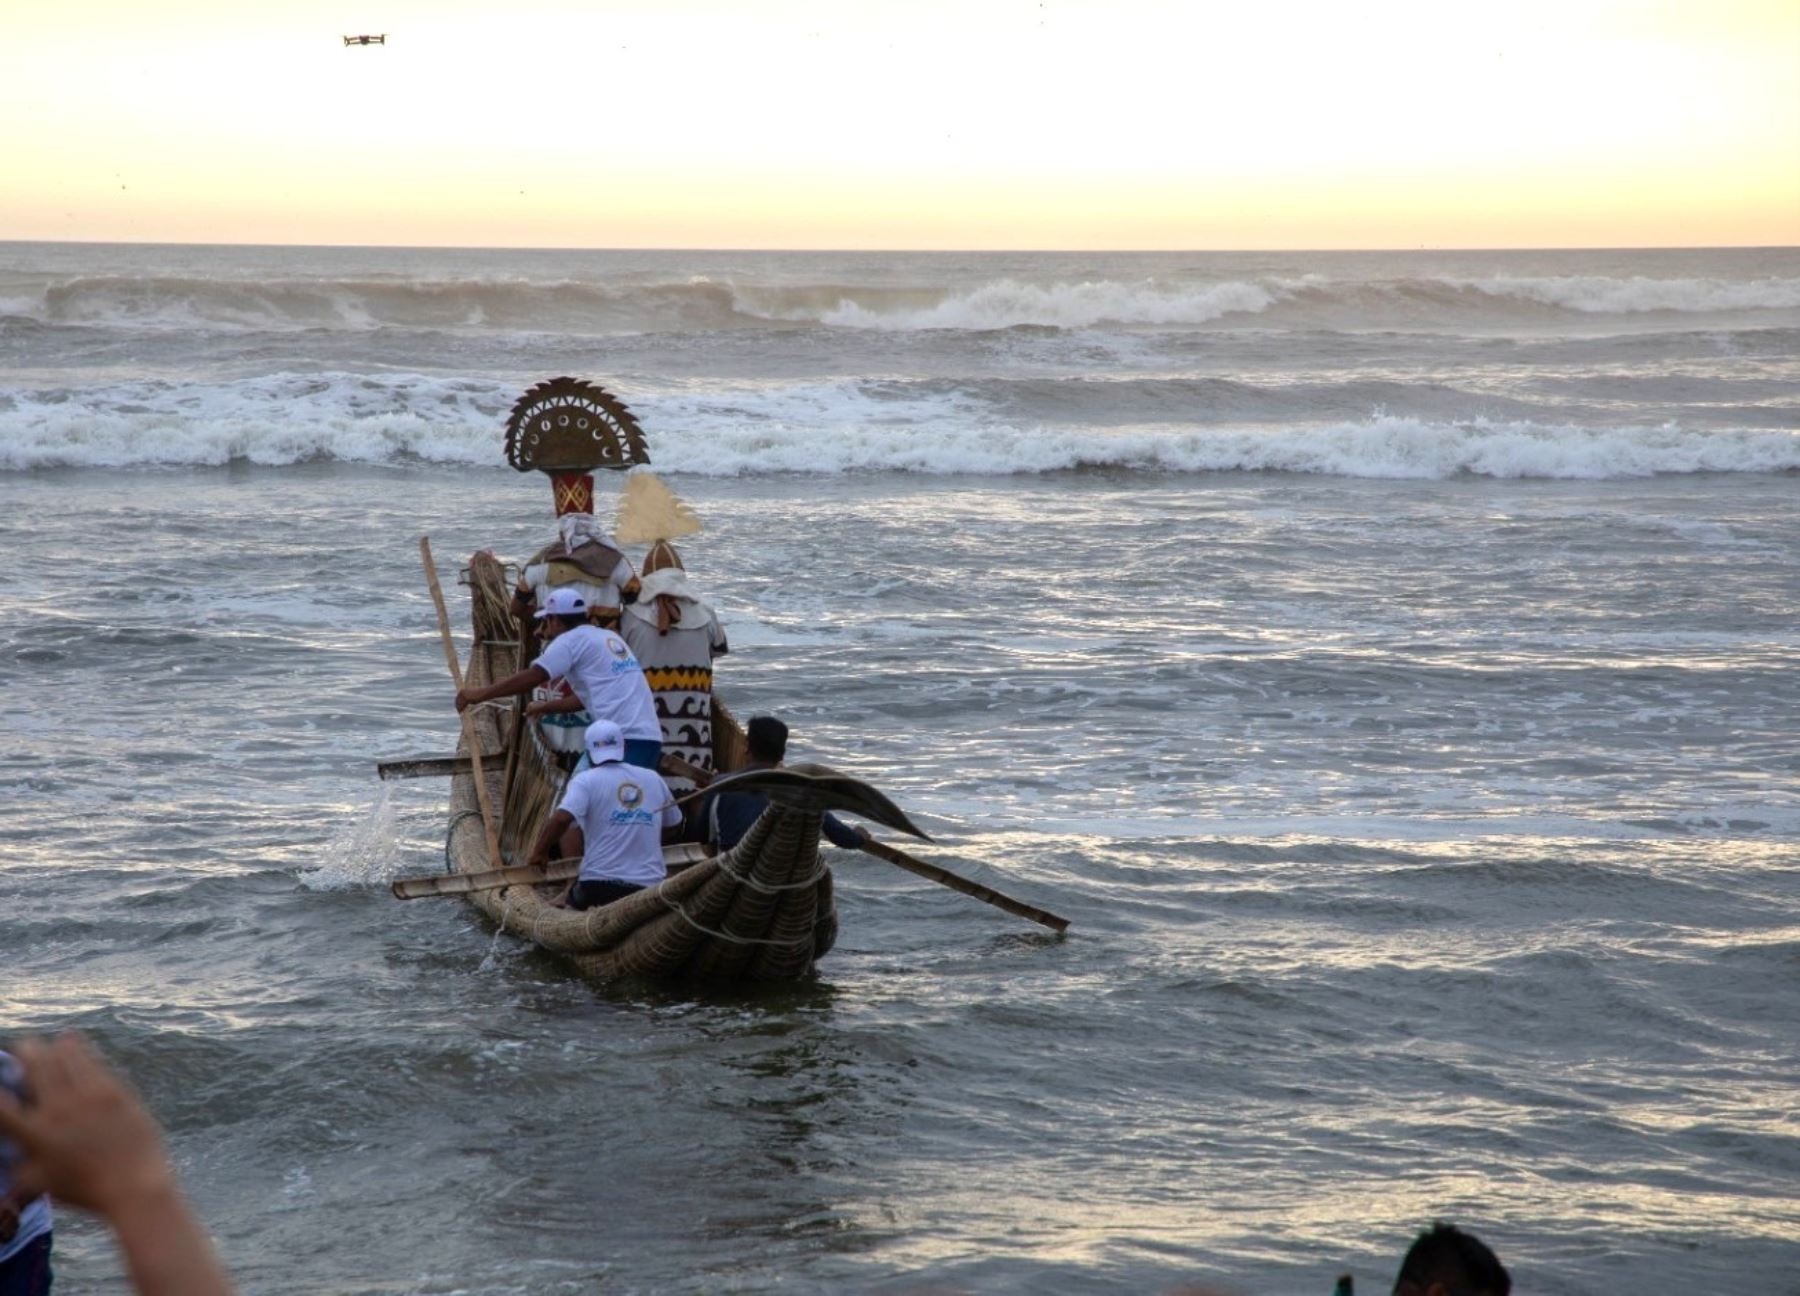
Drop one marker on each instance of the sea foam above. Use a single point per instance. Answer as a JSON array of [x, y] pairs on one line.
[[701, 303], [819, 427], [1008, 303]]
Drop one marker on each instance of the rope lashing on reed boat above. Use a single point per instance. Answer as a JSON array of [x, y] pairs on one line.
[[691, 921], [772, 889], [450, 836]]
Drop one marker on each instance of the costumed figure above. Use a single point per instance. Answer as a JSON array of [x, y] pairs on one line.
[[583, 558], [675, 636], [566, 428]]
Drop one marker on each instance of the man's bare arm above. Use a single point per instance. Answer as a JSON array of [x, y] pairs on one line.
[[523, 682], [552, 833]]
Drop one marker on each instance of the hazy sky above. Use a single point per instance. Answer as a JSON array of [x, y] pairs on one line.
[[913, 123]]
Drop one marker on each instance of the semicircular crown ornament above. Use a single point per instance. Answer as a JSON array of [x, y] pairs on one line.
[[566, 425]]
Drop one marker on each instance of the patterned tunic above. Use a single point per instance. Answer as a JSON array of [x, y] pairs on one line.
[[678, 667]]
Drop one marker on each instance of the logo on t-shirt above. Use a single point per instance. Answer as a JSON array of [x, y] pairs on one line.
[[618, 646], [631, 803]]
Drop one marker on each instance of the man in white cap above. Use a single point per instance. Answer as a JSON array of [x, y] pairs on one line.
[[608, 682], [612, 815]]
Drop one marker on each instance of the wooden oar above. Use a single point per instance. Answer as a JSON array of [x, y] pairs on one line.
[[429, 766], [449, 884], [956, 882], [675, 859], [468, 716], [517, 743]]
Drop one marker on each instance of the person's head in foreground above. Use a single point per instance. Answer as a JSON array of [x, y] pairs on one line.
[[767, 739], [563, 609], [1445, 1261]]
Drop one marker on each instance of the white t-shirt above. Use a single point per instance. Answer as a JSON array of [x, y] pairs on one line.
[[606, 677], [34, 1220], [622, 810]]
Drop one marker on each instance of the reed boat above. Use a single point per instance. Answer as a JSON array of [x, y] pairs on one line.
[[762, 911]]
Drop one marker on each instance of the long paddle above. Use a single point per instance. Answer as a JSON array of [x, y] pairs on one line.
[[956, 882], [468, 715]]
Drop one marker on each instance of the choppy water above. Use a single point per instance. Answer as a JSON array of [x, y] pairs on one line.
[[1428, 816]]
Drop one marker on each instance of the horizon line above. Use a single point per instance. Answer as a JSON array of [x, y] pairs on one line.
[[912, 251]]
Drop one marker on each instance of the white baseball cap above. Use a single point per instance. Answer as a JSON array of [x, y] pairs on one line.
[[605, 741], [564, 603]]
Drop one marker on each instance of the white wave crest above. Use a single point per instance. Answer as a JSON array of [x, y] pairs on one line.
[[1380, 447], [1008, 303], [279, 420], [831, 427], [1598, 295]]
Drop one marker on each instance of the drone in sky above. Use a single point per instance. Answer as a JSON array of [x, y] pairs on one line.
[[366, 40]]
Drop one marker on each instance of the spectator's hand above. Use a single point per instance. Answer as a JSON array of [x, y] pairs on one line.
[[463, 700], [535, 708], [86, 1139]]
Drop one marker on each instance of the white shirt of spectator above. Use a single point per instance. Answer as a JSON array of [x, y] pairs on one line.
[[34, 1220], [606, 677], [622, 810]]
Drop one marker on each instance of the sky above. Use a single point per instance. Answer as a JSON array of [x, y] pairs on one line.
[[910, 124]]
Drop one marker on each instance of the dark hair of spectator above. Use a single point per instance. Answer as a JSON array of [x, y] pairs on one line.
[[1458, 1262], [767, 738]]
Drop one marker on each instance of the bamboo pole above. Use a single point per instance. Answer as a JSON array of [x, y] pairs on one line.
[[956, 882], [428, 766], [518, 730], [676, 858], [450, 884], [468, 714]]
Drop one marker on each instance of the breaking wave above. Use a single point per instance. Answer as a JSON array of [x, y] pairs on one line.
[[1007, 303], [1596, 295], [827, 427], [702, 304]]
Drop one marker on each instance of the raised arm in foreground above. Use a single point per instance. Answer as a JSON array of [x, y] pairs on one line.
[[87, 1141]]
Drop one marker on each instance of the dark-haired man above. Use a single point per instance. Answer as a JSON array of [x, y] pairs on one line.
[[599, 667], [726, 816], [1445, 1261]]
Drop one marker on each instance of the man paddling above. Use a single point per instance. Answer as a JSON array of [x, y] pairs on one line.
[[599, 666], [725, 817], [612, 815]]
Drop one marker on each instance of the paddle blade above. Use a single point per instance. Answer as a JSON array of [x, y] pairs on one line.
[[820, 788]]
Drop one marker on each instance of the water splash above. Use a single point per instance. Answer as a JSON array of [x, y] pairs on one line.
[[364, 852]]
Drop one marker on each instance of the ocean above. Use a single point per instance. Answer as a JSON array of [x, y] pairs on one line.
[[1386, 661]]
